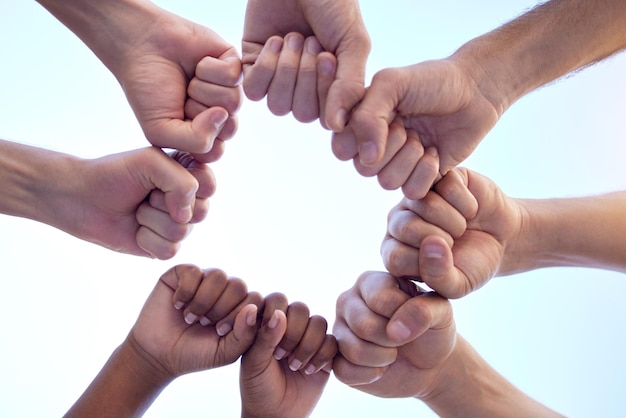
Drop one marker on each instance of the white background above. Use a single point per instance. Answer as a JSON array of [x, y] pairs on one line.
[[290, 217]]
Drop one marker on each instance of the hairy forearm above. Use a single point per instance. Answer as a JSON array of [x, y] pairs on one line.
[[576, 232], [469, 387], [123, 388], [109, 28], [34, 181], [544, 44]]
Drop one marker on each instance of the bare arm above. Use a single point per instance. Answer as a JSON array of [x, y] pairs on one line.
[[32, 179], [161, 60], [577, 232], [543, 45], [125, 387], [472, 388], [108, 28]]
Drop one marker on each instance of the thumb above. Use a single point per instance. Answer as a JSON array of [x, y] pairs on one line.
[[348, 87], [418, 315], [242, 335], [437, 269], [195, 136], [370, 120], [262, 351], [177, 184]]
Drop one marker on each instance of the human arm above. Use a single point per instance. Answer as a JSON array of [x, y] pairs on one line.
[[162, 346], [397, 341], [141, 202], [154, 55], [453, 103], [466, 231], [285, 371], [340, 30]]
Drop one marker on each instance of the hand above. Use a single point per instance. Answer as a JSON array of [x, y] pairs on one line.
[[172, 345], [339, 28], [439, 101], [155, 76], [393, 339], [455, 238], [216, 86], [141, 202], [295, 75], [286, 369]]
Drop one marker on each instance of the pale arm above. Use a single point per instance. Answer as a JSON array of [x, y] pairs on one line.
[[139, 202], [469, 387], [110, 28], [543, 45], [155, 55], [35, 182], [577, 232]]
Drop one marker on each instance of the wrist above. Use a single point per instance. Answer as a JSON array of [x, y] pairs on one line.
[[125, 387], [520, 250], [488, 74], [143, 367]]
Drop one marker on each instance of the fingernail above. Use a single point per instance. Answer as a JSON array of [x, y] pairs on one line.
[[295, 365], [276, 45], [251, 318], [432, 251], [325, 66], [295, 43], [312, 46], [179, 305], [279, 353], [190, 318], [432, 151], [399, 330], [342, 119], [185, 214], [368, 153], [219, 119], [273, 323], [223, 329], [204, 321], [309, 369]]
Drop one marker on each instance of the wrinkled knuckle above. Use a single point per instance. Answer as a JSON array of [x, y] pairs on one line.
[[393, 261], [365, 328]]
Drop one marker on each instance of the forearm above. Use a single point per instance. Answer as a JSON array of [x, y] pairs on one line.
[[34, 182], [576, 232], [109, 28], [469, 387], [123, 388], [549, 42]]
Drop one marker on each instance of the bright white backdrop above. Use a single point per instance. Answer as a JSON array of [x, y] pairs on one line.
[[289, 217]]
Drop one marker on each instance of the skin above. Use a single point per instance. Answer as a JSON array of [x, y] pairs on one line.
[[170, 339], [141, 202], [295, 75], [398, 341], [162, 346], [350, 45], [284, 373], [453, 103], [466, 231], [180, 78]]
